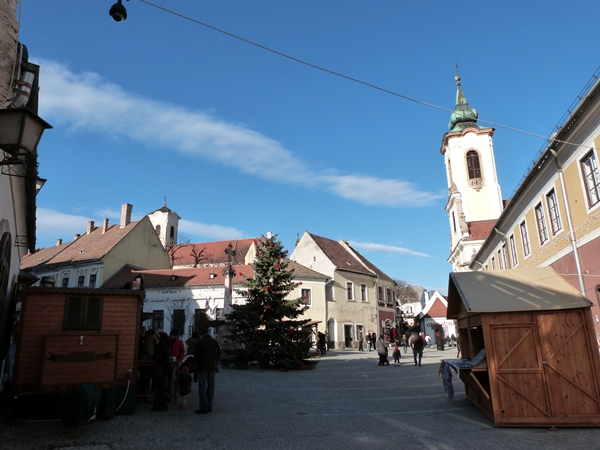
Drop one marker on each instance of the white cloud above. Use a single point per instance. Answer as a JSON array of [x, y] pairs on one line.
[[380, 248], [210, 231], [378, 191], [87, 102], [52, 225]]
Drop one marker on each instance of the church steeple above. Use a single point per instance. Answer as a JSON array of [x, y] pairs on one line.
[[463, 116]]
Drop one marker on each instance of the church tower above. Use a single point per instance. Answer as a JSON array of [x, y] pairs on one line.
[[474, 201], [166, 225]]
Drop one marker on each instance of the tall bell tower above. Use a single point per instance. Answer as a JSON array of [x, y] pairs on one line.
[[166, 225], [474, 200]]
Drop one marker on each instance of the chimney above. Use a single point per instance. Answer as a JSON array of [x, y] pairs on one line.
[[105, 226], [125, 215], [90, 227], [76, 237], [58, 242]]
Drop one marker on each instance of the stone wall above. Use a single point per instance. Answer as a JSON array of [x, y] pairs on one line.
[[9, 28]]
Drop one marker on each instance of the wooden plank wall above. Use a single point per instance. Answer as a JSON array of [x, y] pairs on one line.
[[42, 315]]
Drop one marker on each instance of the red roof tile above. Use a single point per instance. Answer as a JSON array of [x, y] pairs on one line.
[[479, 231], [213, 252], [339, 256], [196, 276]]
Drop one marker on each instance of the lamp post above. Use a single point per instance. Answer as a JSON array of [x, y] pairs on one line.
[[20, 133]]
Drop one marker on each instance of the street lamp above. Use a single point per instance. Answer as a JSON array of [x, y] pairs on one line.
[[20, 130], [118, 12]]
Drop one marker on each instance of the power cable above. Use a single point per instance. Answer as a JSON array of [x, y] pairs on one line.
[[347, 77]]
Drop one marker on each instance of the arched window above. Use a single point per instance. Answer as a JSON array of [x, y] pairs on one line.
[[172, 235], [473, 165], [157, 229]]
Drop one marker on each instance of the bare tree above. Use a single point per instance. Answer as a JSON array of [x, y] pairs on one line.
[[182, 241], [198, 255], [404, 293]]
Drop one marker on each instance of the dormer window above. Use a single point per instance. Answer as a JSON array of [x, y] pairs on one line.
[[474, 169]]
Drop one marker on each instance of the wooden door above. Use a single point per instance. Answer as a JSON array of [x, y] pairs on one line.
[[516, 375], [568, 360], [543, 369]]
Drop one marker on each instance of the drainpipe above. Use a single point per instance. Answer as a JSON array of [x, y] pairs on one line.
[[570, 223]]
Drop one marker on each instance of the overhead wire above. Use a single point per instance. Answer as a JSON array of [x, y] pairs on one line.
[[347, 77]]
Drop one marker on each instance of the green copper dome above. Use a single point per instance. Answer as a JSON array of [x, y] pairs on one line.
[[463, 116]]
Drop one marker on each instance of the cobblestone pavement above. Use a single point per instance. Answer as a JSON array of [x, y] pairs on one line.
[[346, 402]]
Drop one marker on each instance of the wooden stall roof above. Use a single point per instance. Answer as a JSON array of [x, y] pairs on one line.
[[533, 289]]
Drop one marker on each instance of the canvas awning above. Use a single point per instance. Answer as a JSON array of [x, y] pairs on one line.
[[534, 289]]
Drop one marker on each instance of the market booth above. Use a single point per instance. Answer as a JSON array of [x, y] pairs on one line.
[[75, 340], [529, 348]]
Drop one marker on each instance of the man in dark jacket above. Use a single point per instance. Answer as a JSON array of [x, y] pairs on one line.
[[417, 343], [207, 354], [160, 372]]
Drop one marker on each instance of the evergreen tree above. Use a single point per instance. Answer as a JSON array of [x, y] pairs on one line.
[[265, 328]]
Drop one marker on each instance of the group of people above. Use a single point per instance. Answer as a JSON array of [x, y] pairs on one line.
[[199, 363], [416, 342]]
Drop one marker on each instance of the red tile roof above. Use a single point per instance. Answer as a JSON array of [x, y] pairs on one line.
[[438, 309], [479, 231], [196, 276], [339, 256], [87, 247], [213, 252]]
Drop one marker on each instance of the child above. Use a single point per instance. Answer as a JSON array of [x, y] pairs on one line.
[[185, 386], [396, 356]]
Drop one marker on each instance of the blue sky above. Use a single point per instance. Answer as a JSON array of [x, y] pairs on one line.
[[242, 141]]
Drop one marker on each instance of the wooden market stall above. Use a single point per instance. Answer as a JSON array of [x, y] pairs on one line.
[[531, 357], [74, 336]]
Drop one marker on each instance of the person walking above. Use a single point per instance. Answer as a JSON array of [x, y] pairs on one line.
[[360, 341], [396, 355], [382, 351], [373, 340], [428, 341], [405, 342], [416, 342], [207, 354]]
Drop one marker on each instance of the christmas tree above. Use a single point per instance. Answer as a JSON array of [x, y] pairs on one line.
[[266, 329]]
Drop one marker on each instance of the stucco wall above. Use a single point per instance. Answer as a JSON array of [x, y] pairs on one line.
[[8, 45]]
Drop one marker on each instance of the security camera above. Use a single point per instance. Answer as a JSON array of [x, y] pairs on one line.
[[118, 11]]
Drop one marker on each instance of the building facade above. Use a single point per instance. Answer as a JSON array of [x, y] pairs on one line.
[[19, 180], [553, 218], [359, 296], [95, 256]]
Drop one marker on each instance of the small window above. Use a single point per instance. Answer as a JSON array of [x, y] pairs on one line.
[[591, 178], [350, 290], [500, 260], [363, 292], [513, 251], [493, 263], [555, 222], [541, 223], [306, 297], [93, 280], [65, 281], [178, 321], [172, 236], [380, 299], [158, 319], [525, 238], [81, 281], [83, 313], [473, 165], [388, 297], [505, 257]]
